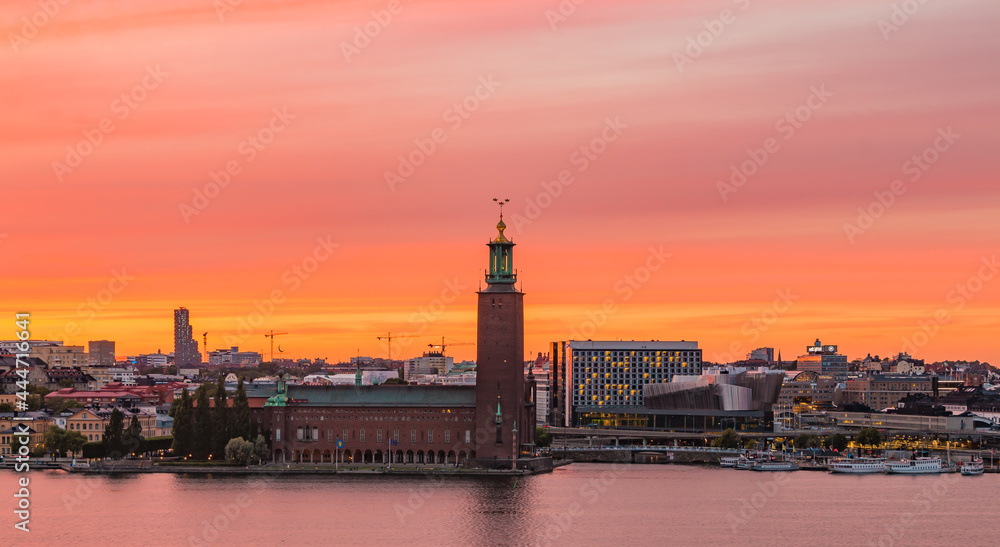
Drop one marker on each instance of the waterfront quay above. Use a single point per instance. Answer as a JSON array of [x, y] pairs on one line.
[[526, 467]]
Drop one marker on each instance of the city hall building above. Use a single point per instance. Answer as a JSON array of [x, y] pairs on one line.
[[489, 424]]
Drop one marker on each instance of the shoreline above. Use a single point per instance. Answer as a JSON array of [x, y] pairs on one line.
[[292, 469]]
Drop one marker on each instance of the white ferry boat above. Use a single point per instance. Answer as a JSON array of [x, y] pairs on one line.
[[858, 465], [744, 462], [918, 466], [973, 467], [774, 466], [729, 461]]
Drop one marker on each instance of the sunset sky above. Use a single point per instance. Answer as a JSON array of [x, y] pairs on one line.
[[648, 106]]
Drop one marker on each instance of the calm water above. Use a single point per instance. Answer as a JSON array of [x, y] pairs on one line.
[[582, 504]]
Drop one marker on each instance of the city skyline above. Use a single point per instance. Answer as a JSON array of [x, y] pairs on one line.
[[828, 104]]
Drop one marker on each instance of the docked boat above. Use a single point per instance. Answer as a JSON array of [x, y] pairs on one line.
[[774, 466], [858, 466], [917, 466], [729, 461], [744, 462], [973, 467]]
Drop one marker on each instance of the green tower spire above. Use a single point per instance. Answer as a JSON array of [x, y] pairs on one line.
[[501, 255]]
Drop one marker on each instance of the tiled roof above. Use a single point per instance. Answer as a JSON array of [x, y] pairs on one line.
[[382, 396]]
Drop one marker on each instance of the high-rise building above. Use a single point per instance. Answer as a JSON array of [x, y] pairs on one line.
[[102, 353], [185, 348], [824, 360], [501, 401]]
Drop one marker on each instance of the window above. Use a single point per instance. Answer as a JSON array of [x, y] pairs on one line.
[[413, 435], [395, 435], [379, 435], [346, 437], [298, 434], [277, 435], [430, 436], [447, 436], [329, 435], [362, 434], [468, 436]]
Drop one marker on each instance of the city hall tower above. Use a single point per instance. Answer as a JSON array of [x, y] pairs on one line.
[[502, 423]]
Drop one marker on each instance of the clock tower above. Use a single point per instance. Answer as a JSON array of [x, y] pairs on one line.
[[501, 421]]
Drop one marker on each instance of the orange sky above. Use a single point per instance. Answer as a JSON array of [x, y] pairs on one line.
[[511, 92]]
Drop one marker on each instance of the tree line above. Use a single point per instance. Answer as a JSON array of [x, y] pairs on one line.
[[201, 431]]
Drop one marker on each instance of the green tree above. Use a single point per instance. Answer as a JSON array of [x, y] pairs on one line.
[[202, 438], [239, 451], [132, 437], [803, 441], [220, 420], [58, 405], [73, 441], [113, 435], [182, 412], [838, 442], [729, 439], [55, 440], [395, 382], [261, 452], [6, 407], [35, 402], [240, 422], [542, 437], [869, 437]]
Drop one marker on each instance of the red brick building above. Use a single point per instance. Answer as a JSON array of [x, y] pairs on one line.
[[488, 424]]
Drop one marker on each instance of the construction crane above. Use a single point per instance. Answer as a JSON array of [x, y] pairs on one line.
[[205, 335], [388, 337], [271, 335], [442, 345]]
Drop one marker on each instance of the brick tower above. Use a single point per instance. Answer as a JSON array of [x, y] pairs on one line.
[[500, 357]]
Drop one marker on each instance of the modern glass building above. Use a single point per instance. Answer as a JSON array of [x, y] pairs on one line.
[[597, 375]]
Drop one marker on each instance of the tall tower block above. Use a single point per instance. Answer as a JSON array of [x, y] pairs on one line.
[[500, 357]]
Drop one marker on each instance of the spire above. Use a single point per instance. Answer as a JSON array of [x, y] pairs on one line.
[[501, 274]]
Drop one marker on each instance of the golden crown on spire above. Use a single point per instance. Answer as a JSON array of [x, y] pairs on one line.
[[500, 225]]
